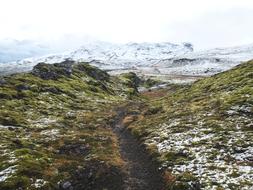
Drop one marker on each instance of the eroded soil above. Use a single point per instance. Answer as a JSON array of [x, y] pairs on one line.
[[141, 172]]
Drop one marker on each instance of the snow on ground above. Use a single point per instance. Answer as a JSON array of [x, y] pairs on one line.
[[39, 183], [6, 173], [7, 126], [214, 157]]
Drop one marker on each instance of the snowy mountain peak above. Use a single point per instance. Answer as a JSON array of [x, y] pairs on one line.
[[108, 52], [165, 59]]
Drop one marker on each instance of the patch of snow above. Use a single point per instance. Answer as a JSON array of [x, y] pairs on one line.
[[6, 173], [51, 134], [43, 122], [208, 157], [7, 126], [39, 183]]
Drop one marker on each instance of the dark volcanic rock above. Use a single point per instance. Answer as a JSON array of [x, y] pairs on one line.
[[66, 68], [53, 71], [21, 87]]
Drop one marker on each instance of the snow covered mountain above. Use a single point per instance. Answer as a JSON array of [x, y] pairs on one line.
[[206, 62], [107, 55], [159, 59]]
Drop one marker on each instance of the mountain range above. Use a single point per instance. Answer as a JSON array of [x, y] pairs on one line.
[[152, 59]]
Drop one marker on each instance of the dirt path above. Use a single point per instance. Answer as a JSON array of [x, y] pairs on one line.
[[142, 174]]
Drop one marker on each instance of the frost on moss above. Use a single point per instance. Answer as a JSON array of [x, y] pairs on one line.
[[204, 130], [54, 125]]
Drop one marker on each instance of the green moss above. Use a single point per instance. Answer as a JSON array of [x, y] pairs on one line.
[[15, 182], [50, 114], [186, 177], [131, 80], [11, 118], [213, 106]]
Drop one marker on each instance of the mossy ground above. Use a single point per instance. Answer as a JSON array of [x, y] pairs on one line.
[[57, 131], [202, 133], [56, 134]]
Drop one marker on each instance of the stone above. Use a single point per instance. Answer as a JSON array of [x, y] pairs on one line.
[[67, 185]]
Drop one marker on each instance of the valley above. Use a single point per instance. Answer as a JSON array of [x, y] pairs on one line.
[[126, 95], [72, 126]]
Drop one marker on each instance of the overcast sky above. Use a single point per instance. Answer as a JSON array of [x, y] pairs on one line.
[[205, 23]]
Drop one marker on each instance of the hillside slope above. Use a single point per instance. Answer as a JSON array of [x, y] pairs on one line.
[[202, 134], [55, 128], [62, 127]]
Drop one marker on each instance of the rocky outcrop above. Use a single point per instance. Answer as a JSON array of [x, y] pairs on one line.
[[53, 71], [66, 68]]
